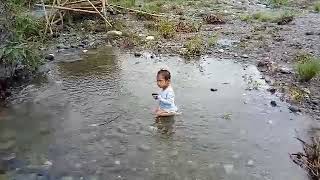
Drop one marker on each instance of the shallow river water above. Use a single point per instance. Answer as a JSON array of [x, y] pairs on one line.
[[48, 130]]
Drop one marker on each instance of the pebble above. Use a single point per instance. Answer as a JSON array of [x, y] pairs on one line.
[[272, 90], [294, 109], [273, 103], [309, 33], [244, 56], [213, 89], [137, 54], [270, 122], [150, 38], [47, 164], [285, 70], [250, 163], [50, 57], [221, 50], [114, 33], [144, 147], [117, 162], [84, 51], [228, 168]]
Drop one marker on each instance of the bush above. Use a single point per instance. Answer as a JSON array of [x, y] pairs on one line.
[[26, 27], [17, 53], [194, 46], [317, 6], [308, 69], [167, 29]]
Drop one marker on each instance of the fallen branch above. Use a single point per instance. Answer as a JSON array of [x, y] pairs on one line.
[[69, 9], [136, 11], [105, 19]]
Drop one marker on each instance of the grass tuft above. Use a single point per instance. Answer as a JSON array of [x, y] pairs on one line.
[[195, 46], [308, 68], [167, 29]]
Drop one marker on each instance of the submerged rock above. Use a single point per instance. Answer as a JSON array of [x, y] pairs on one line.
[[272, 90], [137, 54], [294, 109], [213, 89], [245, 56], [50, 57], [273, 103], [250, 163]]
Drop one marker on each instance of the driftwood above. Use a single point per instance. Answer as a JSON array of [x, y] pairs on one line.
[[99, 7], [136, 11], [310, 158]]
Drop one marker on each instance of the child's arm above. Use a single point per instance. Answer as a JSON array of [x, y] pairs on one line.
[[169, 98]]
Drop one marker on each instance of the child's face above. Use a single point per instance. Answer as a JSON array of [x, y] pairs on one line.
[[162, 83]]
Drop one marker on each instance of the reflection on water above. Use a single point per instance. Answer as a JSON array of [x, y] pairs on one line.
[[100, 63], [46, 131]]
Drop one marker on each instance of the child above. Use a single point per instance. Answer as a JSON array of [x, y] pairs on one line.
[[166, 96]]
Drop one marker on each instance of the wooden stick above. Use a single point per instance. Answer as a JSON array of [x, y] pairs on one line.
[[70, 9], [52, 14], [104, 7], [137, 11], [47, 19], [76, 2], [105, 19]]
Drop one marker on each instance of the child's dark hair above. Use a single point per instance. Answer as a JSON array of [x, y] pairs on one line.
[[165, 73]]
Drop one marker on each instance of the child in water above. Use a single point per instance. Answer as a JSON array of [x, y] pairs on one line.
[[166, 96]]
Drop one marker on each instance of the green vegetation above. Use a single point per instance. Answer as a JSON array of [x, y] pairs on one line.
[[317, 6], [279, 2], [212, 41], [15, 53], [194, 46], [268, 16], [22, 46], [154, 7], [124, 3], [167, 29], [25, 27], [307, 67]]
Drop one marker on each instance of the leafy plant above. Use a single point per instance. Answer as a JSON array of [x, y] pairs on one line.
[[167, 29], [26, 27], [15, 53], [194, 46], [317, 6], [308, 69]]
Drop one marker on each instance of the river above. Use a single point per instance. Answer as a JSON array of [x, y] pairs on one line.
[[50, 130]]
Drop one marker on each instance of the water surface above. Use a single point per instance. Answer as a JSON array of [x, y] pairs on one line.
[[232, 133]]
